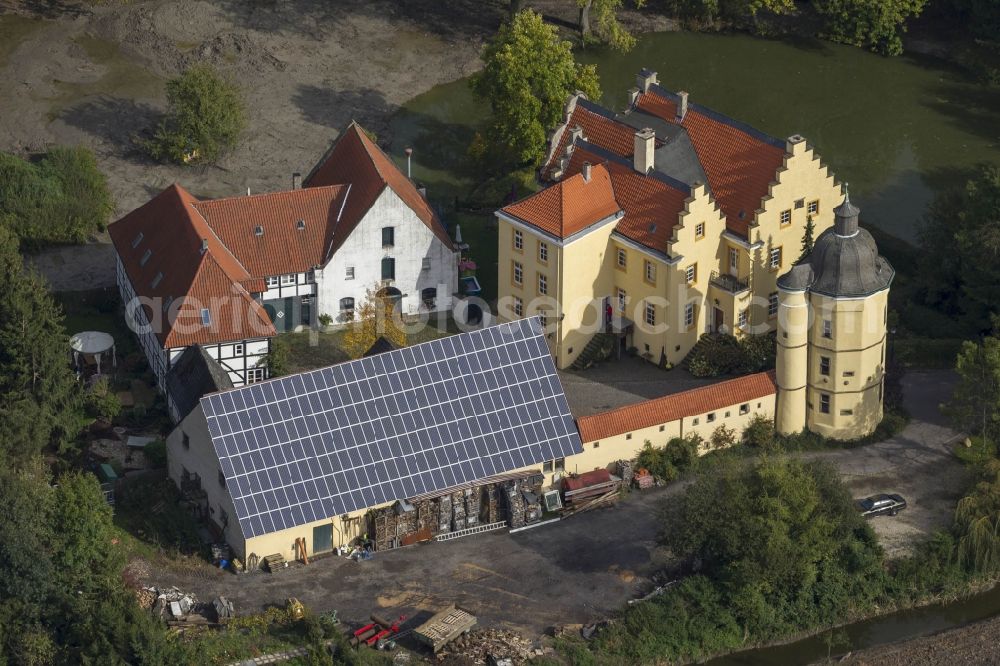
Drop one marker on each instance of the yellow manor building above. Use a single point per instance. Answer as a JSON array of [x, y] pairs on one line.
[[662, 223]]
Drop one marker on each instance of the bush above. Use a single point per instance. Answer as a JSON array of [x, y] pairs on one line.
[[723, 437], [725, 354], [926, 352], [205, 117], [324, 320], [101, 402], [760, 434], [670, 460], [63, 198], [156, 454]]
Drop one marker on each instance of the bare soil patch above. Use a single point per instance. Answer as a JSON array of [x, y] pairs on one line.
[[974, 645]]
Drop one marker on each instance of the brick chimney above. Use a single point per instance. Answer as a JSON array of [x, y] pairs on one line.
[[682, 105], [645, 146], [586, 172], [645, 79], [296, 181]]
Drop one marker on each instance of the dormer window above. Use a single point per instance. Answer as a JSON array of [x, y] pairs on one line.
[[138, 239], [258, 230], [206, 317], [156, 281], [145, 257], [300, 225], [167, 302]]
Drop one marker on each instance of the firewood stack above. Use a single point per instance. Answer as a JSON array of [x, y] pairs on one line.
[[427, 516], [444, 515], [492, 503], [626, 472], [514, 504], [458, 511], [473, 506]]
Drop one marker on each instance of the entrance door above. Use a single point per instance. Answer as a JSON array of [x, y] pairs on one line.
[[323, 538], [719, 321], [306, 311]]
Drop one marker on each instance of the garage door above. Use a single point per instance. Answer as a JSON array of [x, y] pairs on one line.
[[323, 538]]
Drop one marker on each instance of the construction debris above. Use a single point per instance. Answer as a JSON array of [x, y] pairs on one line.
[[224, 609], [444, 627], [490, 646]]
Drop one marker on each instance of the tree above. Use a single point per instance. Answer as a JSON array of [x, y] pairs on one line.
[[62, 198], [609, 30], [730, 11], [781, 542], [377, 317], [277, 357], [977, 518], [39, 398], [873, 23], [975, 404], [807, 238], [205, 116], [528, 75], [960, 271]]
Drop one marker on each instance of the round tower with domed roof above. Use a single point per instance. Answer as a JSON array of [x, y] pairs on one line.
[[832, 315]]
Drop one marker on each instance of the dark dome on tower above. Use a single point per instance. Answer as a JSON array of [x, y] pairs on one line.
[[844, 261]]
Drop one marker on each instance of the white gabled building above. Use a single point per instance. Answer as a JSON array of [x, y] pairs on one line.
[[228, 274]]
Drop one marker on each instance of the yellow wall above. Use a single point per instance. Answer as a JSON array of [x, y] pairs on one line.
[[856, 350], [803, 177], [792, 361], [605, 452]]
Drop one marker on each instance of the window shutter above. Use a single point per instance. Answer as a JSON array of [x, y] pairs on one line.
[[388, 268]]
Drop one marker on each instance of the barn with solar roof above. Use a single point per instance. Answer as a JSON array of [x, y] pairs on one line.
[[307, 456]]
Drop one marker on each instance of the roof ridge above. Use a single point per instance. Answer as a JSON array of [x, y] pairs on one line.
[[208, 250], [718, 116], [303, 191]]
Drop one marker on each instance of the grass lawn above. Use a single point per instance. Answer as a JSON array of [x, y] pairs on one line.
[[96, 310]]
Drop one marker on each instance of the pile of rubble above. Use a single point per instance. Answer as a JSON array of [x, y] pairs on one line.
[[183, 608], [490, 646]]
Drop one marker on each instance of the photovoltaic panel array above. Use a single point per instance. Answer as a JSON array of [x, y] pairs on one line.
[[315, 445]]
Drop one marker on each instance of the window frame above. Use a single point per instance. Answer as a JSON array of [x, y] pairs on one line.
[[699, 231], [543, 252], [288, 279], [621, 296], [691, 274], [389, 236], [254, 375], [742, 318], [826, 332], [621, 259], [771, 264], [517, 273], [272, 281], [238, 349], [390, 263], [349, 273], [824, 366], [785, 218], [812, 208], [425, 264], [650, 314], [543, 284], [649, 272], [824, 403], [518, 306], [690, 315], [772, 305], [517, 242]]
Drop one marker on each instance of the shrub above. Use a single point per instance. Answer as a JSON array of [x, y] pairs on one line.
[[668, 461], [101, 402], [725, 354], [205, 117], [156, 454], [63, 198], [723, 437], [324, 320], [760, 434]]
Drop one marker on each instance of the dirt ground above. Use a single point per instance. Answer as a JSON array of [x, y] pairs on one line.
[[583, 568], [975, 645]]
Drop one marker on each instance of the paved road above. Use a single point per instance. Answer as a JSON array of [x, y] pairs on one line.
[[582, 568]]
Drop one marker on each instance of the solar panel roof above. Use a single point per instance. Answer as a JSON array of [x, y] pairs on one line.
[[306, 447]]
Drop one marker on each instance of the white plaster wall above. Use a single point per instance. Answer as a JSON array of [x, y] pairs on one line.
[[199, 458], [363, 250]]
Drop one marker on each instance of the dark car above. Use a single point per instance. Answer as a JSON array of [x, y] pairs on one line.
[[879, 505]]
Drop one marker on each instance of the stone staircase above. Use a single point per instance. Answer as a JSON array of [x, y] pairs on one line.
[[704, 340], [598, 349]]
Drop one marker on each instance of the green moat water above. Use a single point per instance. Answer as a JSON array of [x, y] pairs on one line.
[[897, 129]]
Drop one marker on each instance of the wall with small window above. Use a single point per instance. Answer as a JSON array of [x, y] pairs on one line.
[[390, 241]]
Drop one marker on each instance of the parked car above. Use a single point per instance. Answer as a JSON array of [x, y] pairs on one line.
[[882, 504]]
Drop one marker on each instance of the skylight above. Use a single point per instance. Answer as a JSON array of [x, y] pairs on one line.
[[145, 257], [138, 239], [156, 280], [206, 317]]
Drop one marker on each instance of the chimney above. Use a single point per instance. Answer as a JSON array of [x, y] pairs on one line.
[[409, 155], [795, 144], [633, 96], [645, 79], [586, 172], [682, 105], [296, 181], [204, 245], [576, 134], [645, 146]]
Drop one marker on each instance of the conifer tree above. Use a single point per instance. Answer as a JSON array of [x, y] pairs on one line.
[[807, 238], [39, 398]]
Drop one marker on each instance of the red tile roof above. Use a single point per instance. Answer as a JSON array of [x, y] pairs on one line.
[[740, 165], [599, 130], [355, 160], [170, 229], [651, 206], [569, 206], [283, 247], [678, 405]]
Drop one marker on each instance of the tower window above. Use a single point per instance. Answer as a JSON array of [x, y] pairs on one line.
[[827, 329], [824, 366], [824, 403], [775, 258], [772, 304]]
